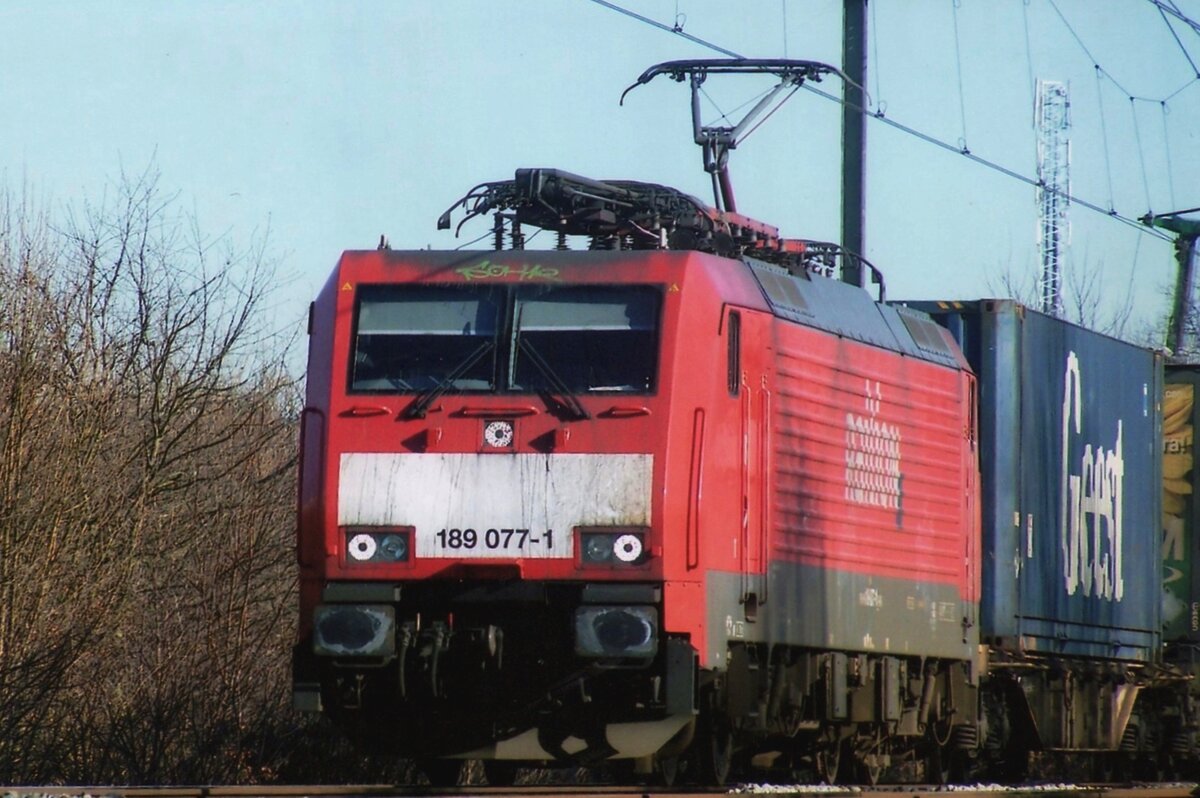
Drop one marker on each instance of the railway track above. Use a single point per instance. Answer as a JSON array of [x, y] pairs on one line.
[[1172, 790]]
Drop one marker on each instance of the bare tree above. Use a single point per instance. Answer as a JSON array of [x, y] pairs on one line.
[[1088, 299], [146, 471]]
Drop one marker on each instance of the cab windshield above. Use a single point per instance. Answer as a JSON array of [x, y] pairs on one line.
[[525, 339]]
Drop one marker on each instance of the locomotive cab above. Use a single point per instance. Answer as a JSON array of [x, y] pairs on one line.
[[483, 517]]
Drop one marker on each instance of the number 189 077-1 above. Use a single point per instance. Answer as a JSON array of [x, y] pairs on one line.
[[493, 539]]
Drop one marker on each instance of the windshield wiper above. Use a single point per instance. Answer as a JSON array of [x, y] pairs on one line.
[[566, 395], [419, 405]]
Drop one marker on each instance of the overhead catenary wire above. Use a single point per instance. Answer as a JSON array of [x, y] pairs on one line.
[[962, 98], [1028, 52], [1095, 61], [1175, 12], [1181, 89], [1122, 315], [1004, 170], [1137, 138], [1167, 149], [879, 116], [1178, 41], [783, 9], [1104, 140], [1102, 73], [677, 30], [875, 53]]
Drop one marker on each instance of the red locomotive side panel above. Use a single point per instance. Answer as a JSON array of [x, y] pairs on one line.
[[706, 483], [854, 491], [857, 458], [873, 467]]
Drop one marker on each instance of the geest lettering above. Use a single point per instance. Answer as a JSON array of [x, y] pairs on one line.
[[1091, 501]]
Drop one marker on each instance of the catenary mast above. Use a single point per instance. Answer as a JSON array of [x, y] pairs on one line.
[[1052, 121]]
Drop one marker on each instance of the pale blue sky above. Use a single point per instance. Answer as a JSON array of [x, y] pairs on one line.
[[334, 122]]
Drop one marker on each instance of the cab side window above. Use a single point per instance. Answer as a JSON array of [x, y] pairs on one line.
[[733, 335]]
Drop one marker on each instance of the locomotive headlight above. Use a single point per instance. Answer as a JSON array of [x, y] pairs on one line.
[[616, 632], [613, 549], [377, 545], [394, 547], [362, 547], [628, 548], [354, 630], [597, 548]]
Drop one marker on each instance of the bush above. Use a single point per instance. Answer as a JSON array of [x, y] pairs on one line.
[[147, 459]]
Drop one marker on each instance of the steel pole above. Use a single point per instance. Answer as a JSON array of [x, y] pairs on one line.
[[854, 134]]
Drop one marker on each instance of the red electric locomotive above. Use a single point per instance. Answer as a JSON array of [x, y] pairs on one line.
[[682, 497]]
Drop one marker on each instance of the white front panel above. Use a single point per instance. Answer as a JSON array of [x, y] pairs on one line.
[[494, 505]]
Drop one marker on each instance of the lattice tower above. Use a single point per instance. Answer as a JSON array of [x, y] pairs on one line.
[[1052, 121]]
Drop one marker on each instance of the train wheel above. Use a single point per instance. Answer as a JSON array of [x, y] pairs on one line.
[[869, 765], [942, 754], [828, 760], [714, 752], [667, 770], [871, 772], [939, 767]]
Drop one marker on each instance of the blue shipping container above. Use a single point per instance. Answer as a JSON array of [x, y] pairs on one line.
[[1070, 434]]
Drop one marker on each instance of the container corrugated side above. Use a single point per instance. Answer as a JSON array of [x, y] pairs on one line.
[[1070, 463]]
